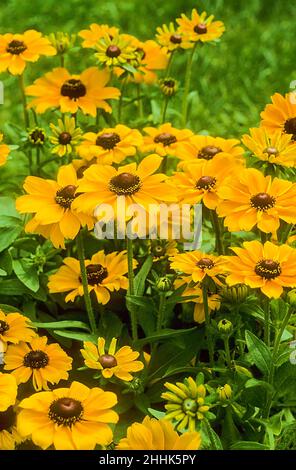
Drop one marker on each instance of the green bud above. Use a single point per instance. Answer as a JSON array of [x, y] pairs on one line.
[[36, 136], [224, 392], [164, 284], [235, 294], [225, 327], [291, 296]]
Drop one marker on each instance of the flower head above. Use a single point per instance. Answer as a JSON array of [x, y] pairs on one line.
[[280, 115], [112, 361], [8, 391], [95, 32], [105, 274], [9, 437], [4, 151], [18, 49], [62, 42], [197, 265], [153, 434], [60, 89], [200, 27], [165, 140], [39, 360], [115, 51], [151, 58], [252, 199], [171, 38], [37, 136], [161, 249], [14, 328], [66, 136], [73, 418], [267, 267]]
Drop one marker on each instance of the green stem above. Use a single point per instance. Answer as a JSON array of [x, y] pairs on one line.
[[139, 101], [38, 161], [87, 299], [24, 100], [187, 85], [164, 109], [227, 352], [207, 321], [161, 311], [120, 102], [97, 119], [129, 246], [266, 322], [169, 64], [216, 226], [62, 58]]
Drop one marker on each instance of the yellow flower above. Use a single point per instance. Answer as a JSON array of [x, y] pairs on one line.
[[251, 199], [51, 202], [165, 140], [281, 114], [153, 434], [162, 249], [214, 300], [62, 42], [4, 151], [105, 274], [224, 392], [9, 437], [60, 89], [151, 58], [171, 38], [274, 147], [72, 418], [95, 32], [266, 267], [66, 136], [200, 27], [110, 145], [197, 265], [17, 49], [39, 360], [200, 181], [186, 403], [119, 363], [8, 391], [15, 328], [206, 147], [137, 183], [115, 51]]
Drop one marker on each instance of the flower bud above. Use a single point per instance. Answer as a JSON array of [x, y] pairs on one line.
[[224, 392], [225, 327], [62, 41], [164, 284], [36, 136], [291, 296], [235, 294], [168, 86]]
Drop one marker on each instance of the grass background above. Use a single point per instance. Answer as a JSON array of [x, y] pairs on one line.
[[232, 81]]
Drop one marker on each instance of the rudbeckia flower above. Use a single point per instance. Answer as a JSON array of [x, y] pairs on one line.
[[197, 265], [105, 274], [15, 328], [271, 146], [60, 89], [18, 49], [151, 58], [115, 51], [206, 147], [66, 136], [39, 360], [186, 403], [137, 183], [111, 362], [267, 267], [4, 151], [9, 437], [153, 434], [72, 418], [161, 249], [200, 27], [110, 145], [171, 38], [8, 391], [200, 181], [95, 32], [252, 199], [51, 202], [281, 114], [165, 140]]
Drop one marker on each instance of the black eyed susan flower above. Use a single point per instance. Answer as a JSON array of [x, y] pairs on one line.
[[8, 391], [14, 328], [37, 137], [111, 144], [165, 140], [200, 27], [18, 49], [105, 274], [115, 51], [74, 418], [66, 136], [96, 32], [162, 249], [60, 89], [120, 363], [280, 115], [197, 265], [252, 199], [153, 434], [274, 147], [168, 86], [51, 202], [171, 38], [267, 267], [9, 437], [186, 403], [137, 183], [4, 151], [151, 58], [39, 360]]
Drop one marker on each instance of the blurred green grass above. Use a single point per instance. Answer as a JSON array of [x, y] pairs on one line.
[[232, 81]]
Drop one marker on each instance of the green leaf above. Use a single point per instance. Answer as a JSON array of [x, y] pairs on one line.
[[140, 278], [10, 228], [7, 207], [26, 273], [258, 383], [145, 310], [9, 309], [156, 414], [214, 441], [165, 334], [248, 445], [260, 354], [16, 287], [61, 325], [77, 336]]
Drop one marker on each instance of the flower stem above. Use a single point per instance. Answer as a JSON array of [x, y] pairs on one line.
[[120, 102], [139, 101], [161, 311], [266, 322], [187, 85], [87, 299], [227, 352], [131, 290], [24, 100], [207, 321], [164, 109], [216, 226]]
